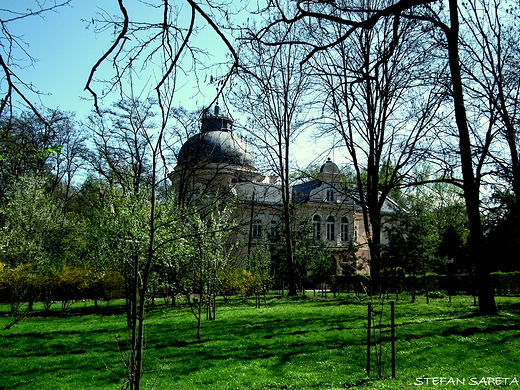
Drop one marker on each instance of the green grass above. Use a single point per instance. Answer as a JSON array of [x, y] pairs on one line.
[[291, 344]]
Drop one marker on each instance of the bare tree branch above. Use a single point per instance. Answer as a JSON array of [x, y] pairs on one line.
[[120, 41]]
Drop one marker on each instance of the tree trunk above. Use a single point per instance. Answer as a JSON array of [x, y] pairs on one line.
[[471, 184], [292, 291]]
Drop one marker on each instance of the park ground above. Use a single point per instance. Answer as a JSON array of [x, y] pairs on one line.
[[297, 344]]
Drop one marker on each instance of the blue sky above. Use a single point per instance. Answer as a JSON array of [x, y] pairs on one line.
[[66, 47]]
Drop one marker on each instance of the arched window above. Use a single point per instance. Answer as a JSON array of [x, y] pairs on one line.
[[331, 231], [316, 227], [344, 229]]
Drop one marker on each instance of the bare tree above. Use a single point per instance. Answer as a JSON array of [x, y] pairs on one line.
[[490, 49], [273, 91], [449, 26], [382, 104], [470, 169], [165, 43], [52, 150]]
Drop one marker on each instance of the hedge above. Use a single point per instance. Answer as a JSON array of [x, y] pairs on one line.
[[25, 284], [504, 283]]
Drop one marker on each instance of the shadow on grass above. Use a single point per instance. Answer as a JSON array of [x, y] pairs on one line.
[[461, 329], [76, 311], [471, 331], [271, 338]]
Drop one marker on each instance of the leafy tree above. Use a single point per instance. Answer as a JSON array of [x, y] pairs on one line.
[[207, 258], [37, 232]]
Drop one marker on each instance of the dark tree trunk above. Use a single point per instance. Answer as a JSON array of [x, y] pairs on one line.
[[471, 184]]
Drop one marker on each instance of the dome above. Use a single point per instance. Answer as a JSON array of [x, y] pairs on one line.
[[215, 146], [329, 167]]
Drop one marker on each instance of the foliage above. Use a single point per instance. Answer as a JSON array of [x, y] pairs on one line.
[[67, 284], [37, 233], [503, 232], [428, 232], [506, 282], [207, 258]]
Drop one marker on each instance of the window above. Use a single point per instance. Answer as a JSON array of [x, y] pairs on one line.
[[344, 229], [331, 231], [330, 195], [257, 228], [274, 229], [355, 233], [316, 225]]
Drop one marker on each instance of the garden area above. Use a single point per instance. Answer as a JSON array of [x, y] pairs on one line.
[[299, 343]]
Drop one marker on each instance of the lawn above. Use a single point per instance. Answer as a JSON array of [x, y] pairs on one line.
[[290, 344]]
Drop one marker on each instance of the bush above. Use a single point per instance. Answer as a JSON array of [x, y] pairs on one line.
[[506, 282], [68, 284], [16, 286]]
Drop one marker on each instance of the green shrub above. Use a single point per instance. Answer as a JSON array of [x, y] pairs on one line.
[[506, 282]]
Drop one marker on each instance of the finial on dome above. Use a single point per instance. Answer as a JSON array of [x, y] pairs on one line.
[[217, 109]]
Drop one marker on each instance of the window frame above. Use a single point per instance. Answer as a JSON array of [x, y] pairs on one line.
[[331, 228], [316, 227]]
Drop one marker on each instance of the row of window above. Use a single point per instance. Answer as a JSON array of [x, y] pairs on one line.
[[317, 234], [257, 230], [330, 227]]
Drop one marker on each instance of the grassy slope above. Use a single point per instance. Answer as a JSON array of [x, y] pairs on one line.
[[302, 344]]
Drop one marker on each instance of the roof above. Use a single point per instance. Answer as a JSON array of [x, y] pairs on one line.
[[301, 192], [215, 146]]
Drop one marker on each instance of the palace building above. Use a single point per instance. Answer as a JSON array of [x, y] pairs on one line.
[[218, 163]]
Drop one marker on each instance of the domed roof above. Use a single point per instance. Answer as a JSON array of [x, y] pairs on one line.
[[329, 167], [215, 144]]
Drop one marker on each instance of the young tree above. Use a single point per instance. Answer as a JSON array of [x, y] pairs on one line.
[[207, 258], [138, 44], [36, 232], [259, 265]]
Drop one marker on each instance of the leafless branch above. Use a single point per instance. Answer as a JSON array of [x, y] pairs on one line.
[[120, 41]]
